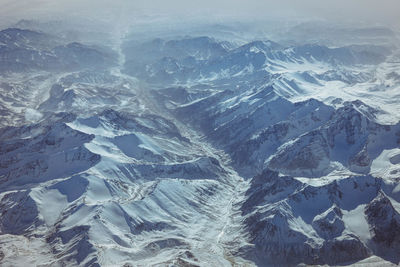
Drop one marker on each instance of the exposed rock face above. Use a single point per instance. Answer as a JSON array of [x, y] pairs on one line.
[[329, 224], [19, 213], [384, 223]]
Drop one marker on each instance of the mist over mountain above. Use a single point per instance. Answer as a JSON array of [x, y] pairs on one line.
[[203, 133]]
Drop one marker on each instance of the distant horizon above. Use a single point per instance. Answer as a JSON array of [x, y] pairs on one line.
[[370, 12]]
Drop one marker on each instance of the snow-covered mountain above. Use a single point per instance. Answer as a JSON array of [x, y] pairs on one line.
[[198, 151]]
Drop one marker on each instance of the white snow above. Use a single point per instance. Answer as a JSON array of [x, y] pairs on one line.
[[356, 223]]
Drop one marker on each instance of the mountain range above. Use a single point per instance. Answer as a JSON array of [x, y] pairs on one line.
[[198, 151]]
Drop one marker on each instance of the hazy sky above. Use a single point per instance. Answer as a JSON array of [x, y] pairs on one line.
[[373, 11]]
